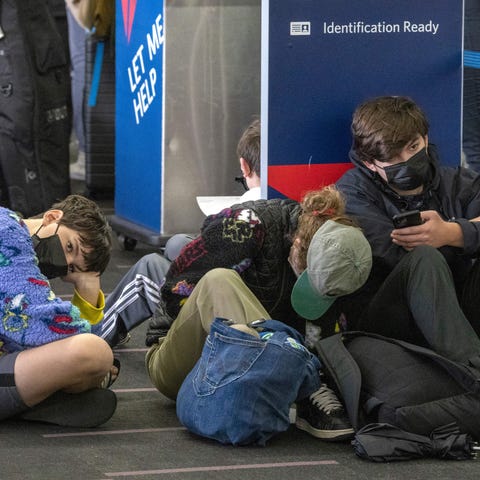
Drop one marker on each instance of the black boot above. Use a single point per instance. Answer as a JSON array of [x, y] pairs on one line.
[[158, 325]]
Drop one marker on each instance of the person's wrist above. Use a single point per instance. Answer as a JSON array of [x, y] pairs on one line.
[[455, 234]]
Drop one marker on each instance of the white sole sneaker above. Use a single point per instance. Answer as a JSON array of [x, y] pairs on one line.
[[328, 435]]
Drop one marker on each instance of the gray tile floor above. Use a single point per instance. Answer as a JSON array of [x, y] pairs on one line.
[[144, 439]]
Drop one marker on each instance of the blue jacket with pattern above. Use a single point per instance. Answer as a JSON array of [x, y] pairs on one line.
[[30, 313]]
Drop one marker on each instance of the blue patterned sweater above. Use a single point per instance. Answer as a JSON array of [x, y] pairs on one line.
[[30, 313]]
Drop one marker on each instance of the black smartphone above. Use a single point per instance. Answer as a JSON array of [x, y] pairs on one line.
[[407, 219]]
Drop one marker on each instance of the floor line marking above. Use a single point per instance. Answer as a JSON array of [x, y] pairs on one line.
[[112, 432], [133, 390], [222, 468], [129, 350]]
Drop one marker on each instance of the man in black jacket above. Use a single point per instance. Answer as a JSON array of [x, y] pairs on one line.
[[425, 278]]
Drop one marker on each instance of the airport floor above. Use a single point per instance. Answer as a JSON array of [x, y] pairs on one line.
[[144, 439]]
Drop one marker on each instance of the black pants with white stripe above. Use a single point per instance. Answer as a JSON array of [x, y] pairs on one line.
[[135, 298]]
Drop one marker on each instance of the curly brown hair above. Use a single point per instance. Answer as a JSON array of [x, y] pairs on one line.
[[318, 206], [85, 217]]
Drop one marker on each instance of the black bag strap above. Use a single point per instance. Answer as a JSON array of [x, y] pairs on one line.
[[344, 371]]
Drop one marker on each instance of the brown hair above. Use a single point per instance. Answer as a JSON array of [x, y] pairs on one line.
[[381, 127], [249, 146], [85, 217], [318, 206]]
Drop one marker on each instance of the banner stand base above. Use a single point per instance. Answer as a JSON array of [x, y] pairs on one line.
[[132, 232]]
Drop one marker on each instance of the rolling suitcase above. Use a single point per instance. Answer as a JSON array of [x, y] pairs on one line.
[[99, 113]]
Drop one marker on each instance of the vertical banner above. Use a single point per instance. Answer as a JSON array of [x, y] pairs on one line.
[[320, 59], [139, 111]]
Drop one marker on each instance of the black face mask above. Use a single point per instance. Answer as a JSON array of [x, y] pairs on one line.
[[51, 257], [410, 174], [241, 179]]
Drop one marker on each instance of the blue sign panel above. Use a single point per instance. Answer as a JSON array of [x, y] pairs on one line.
[[139, 111], [325, 57]]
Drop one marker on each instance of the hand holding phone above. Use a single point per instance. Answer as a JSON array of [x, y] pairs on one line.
[[407, 219]]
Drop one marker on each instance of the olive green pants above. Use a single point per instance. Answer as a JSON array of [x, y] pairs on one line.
[[220, 293]]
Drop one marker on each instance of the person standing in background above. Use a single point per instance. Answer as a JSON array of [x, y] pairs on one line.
[[84, 17], [77, 35]]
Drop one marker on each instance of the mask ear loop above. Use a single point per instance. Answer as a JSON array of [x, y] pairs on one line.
[[41, 226], [241, 179]]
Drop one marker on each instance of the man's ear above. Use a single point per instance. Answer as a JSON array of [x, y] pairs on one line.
[[244, 167], [370, 166], [52, 216]]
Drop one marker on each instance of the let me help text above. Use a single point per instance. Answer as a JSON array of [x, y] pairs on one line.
[[142, 73]]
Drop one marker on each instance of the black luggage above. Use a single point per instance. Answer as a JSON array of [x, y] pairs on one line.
[[99, 112], [35, 117]]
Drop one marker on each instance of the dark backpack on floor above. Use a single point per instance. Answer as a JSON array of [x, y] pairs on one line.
[[387, 381]]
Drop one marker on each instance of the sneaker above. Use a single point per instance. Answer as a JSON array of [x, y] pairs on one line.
[[85, 410], [155, 336], [323, 416], [158, 326]]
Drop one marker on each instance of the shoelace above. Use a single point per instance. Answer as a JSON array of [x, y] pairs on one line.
[[325, 399]]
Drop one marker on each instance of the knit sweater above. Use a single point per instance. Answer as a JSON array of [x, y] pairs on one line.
[[30, 313], [253, 238], [229, 239]]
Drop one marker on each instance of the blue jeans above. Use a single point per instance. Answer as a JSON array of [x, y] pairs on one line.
[[241, 389]]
